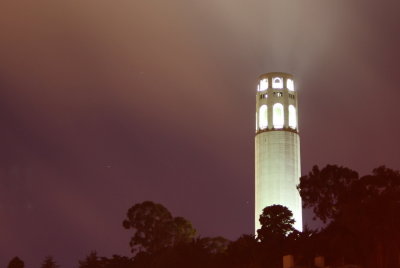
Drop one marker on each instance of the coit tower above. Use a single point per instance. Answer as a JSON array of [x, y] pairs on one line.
[[277, 146]]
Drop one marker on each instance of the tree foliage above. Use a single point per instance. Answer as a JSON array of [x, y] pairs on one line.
[[182, 231], [154, 227], [327, 190], [16, 263], [214, 245], [276, 223], [243, 252], [116, 261], [94, 261], [363, 212], [49, 263], [91, 261]]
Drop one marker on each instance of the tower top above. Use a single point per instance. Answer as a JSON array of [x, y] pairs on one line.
[[275, 80], [275, 74], [276, 103]]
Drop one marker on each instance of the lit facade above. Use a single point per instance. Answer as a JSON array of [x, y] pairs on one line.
[[277, 146]]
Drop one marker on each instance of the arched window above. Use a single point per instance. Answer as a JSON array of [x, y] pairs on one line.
[[263, 84], [278, 116], [263, 117], [277, 82], [290, 84], [292, 117]]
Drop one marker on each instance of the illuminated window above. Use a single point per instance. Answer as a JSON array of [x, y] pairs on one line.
[[278, 116], [292, 117], [290, 85], [263, 85], [278, 94], [263, 96], [277, 82], [263, 117]]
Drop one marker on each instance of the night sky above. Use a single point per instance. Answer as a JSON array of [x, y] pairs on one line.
[[104, 104]]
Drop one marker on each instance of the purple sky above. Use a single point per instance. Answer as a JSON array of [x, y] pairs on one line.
[[104, 104]]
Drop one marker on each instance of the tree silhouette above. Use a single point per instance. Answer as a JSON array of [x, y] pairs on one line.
[[91, 261], [363, 213], [304, 245], [214, 245], [182, 231], [244, 252], [276, 223], [16, 263], [326, 190], [116, 262], [49, 263], [155, 228]]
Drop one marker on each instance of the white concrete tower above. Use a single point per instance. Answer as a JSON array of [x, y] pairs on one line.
[[277, 146]]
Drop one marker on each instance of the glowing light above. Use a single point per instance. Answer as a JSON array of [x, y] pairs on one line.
[[263, 85], [277, 82], [278, 115], [292, 117], [290, 84], [263, 117]]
